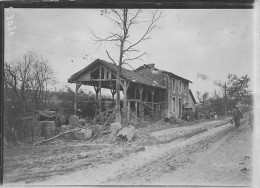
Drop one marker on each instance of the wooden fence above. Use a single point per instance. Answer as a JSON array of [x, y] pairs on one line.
[[24, 127]]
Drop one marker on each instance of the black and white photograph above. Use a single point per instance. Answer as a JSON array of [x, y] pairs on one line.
[[130, 97]]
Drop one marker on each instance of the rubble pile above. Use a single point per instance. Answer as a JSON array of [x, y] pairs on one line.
[[126, 134]]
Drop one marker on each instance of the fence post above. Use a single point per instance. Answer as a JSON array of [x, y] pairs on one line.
[[32, 129]]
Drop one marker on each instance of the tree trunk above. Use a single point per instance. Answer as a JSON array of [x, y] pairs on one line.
[[118, 77]]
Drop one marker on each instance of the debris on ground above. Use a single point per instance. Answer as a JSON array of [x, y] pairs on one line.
[[114, 127], [95, 144], [126, 134], [45, 115], [45, 129], [74, 120], [82, 122], [83, 134]]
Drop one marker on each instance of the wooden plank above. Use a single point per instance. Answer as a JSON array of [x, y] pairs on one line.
[[152, 92], [102, 80], [100, 109], [128, 111], [33, 130], [141, 104], [100, 72], [75, 100], [136, 107], [25, 118]]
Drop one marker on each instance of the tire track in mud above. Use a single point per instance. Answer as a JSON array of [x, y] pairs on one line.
[[177, 157]]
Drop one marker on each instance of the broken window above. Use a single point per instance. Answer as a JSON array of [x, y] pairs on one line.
[[173, 85], [113, 76], [102, 73], [179, 87], [95, 74], [173, 104], [108, 75]]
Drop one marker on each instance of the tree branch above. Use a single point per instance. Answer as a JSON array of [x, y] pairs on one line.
[[148, 30], [137, 57], [110, 57]]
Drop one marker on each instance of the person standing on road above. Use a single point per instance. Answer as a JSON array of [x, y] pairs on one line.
[[237, 115], [251, 119]]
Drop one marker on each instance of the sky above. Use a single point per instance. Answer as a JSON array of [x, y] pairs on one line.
[[212, 42]]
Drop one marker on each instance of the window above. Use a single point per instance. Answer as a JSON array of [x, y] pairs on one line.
[[173, 104], [179, 88], [107, 75], [113, 76], [102, 73], [95, 74], [173, 85]]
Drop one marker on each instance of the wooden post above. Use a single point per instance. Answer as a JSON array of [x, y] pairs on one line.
[[128, 111], [100, 75], [113, 92], [100, 105], [32, 129], [125, 86], [96, 105], [141, 101], [78, 84], [136, 107], [146, 95], [152, 92], [75, 102], [135, 92]]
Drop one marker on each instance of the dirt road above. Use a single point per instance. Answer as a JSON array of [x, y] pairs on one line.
[[218, 155]]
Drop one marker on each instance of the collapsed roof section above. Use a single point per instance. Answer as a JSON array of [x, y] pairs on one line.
[[156, 71]]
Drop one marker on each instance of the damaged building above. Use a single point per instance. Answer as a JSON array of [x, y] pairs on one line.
[[147, 91]]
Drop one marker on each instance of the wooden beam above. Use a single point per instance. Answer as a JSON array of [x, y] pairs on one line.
[[96, 105], [141, 89], [128, 111], [136, 103], [100, 97], [146, 95], [78, 85], [152, 92], [125, 88], [135, 93], [102, 80], [75, 101]]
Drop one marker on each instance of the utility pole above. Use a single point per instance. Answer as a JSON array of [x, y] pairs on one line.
[[225, 105]]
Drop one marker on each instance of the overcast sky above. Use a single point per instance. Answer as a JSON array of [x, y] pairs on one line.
[[186, 42]]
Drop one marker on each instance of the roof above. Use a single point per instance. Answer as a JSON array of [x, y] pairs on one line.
[[162, 71], [133, 76], [192, 96]]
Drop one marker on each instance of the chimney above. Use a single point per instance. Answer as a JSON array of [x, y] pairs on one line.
[[151, 65]]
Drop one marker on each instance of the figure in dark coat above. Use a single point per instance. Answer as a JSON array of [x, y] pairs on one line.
[[237, 115], [251, 119]]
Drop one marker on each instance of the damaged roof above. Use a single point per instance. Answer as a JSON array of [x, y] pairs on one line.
[[133, 76], [162, 71]]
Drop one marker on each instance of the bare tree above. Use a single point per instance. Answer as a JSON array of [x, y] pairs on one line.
[[28, 78], [125, 20]]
